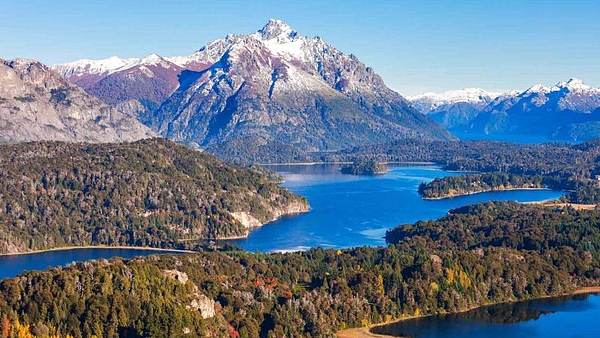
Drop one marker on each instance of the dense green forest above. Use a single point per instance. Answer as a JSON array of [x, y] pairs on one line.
[[480, 254], [501, 165], [565, 166], [148, 193], [451, 186], [365, 167]]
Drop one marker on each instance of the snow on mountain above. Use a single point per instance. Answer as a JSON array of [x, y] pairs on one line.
[[573, 95], [87, 66], [36, 103], [106, 66], [427, 102], [567, 110], [282, 40], [274, 83], [290, 89]]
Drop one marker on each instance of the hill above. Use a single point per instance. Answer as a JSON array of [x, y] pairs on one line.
[[37, 104], [493, 258], [148, 193]]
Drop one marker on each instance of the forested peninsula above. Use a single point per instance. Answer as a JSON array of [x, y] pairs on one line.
[[152, 193], [574, 168], [481, 254], [452, 186]]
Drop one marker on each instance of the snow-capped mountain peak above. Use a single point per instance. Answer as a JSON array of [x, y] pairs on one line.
[[282, 40], [430, 101], [152, 59], [536, 89], [87, 66], [277, 30], [454, 96], [573, 85]]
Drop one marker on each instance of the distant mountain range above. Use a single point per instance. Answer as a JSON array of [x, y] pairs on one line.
[[566, 111], [269, 91], [37, 104], [453, 108], [273, 84]]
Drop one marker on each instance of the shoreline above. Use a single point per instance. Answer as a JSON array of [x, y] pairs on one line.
[[147, 248], [365, 331], [66, 248], [551, 203], [339, 163], [484, 191]]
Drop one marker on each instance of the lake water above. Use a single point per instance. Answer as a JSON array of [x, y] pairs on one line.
[[346, 211], [349, 210], [571, 316], [11, 266]]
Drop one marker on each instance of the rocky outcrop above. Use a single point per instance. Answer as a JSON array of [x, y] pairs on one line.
[[294, 207], [179, 276], [199, 301], [249, 221], [290, 89], [37, 104], [274, 84]]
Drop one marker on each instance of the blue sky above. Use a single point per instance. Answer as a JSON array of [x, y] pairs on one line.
[[416, 46]]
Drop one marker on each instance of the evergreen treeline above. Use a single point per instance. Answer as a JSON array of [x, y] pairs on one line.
[[512, 225], [466, 184], [553, 165], [365, 167], [481, 254], [562, 165], [147, 193]]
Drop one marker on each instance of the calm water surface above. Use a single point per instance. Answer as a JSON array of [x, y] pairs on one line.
[[349, 210], [572, 316], [11, 266], [346, 211]]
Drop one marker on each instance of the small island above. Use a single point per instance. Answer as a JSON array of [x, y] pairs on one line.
[[365, 167]]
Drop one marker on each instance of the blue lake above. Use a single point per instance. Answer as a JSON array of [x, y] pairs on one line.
[[11, 266], [570, 316], [349, 210], [345, 211]]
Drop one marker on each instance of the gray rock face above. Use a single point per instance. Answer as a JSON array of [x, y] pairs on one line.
[[291, 89], [567, 110], [274, 84], [453, 109], [38, 104]]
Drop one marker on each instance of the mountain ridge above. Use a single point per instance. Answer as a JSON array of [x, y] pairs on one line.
[[38, 104], [568, 110], [274, 83]]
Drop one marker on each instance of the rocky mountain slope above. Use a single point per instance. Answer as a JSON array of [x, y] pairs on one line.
[[453, 108], [38, 104], [274, 84], [147, 193], [567, 110], [136, 86]]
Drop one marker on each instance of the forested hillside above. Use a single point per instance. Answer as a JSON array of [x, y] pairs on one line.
[[148, 193], [572, 167], [482, 254]]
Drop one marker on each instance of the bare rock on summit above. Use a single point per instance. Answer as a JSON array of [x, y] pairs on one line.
[[274, 85], [291, 89], [38, 104]]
